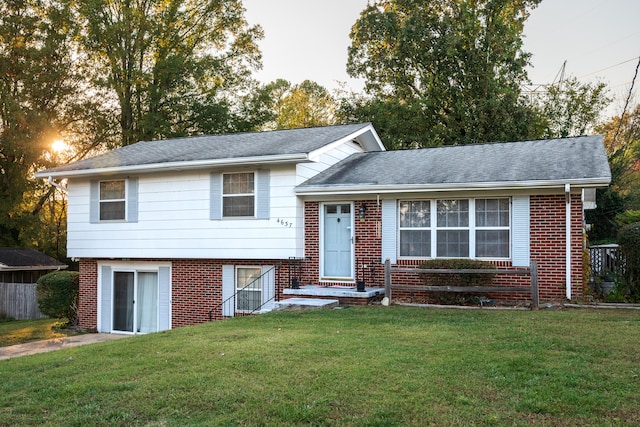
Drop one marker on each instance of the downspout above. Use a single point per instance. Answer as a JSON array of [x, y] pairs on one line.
[[58, 186], [567, 192]]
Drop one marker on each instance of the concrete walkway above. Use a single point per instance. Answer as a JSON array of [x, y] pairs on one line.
[[55, 344]]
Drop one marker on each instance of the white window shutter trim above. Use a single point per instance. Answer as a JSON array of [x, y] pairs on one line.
[[132, 200], [228, 290], [262, 194], [106, 280], [164, 298], [520, 231], [268, 283], [389, 230], [215, 192], [94, 203]]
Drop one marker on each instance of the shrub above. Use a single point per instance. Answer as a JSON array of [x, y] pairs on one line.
[[57, 295], [629, 241], [456, 279]]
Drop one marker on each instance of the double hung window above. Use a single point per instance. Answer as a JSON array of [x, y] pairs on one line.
[[248, 288], [415, 228], [112, 200], [454, 228], [492, 228], [238, 194]]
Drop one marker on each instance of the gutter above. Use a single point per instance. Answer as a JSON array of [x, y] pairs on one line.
[[58, 186], [175, 166], [369, 188]]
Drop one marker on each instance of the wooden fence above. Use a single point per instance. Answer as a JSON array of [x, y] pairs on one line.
[[532, 270], [18, 300]]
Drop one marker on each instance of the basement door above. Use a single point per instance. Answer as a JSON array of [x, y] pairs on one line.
[[337, 242], [135, 301]]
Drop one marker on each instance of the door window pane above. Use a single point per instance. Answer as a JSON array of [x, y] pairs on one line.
[[147, 302], [123, 301]]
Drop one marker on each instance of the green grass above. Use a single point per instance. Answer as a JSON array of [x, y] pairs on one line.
[[368, 366], [21, 331]]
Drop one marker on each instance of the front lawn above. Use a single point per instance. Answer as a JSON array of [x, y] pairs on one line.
[[358, 366], [21, 331]]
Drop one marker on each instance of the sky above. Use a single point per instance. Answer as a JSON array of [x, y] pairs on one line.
[[598, 39]]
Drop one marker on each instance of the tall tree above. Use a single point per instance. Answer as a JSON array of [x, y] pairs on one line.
[[571, 108], [442, 72], [38, 101], [172, 67]]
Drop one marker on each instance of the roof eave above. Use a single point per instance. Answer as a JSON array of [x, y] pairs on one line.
[[417, 188], [33, 267], [177, 166]]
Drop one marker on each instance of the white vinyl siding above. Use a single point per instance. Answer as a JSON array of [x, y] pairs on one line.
[[174, 221]]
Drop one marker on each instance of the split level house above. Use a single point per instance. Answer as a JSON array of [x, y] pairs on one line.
[[167, 231]]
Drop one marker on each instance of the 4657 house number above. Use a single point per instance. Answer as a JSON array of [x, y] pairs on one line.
[[284, 223]]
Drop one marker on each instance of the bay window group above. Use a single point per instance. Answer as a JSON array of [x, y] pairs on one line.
[[454, 228]]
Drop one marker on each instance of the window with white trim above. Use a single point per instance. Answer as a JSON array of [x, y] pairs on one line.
[[492, 228], [452, 235], [455, 228], [238, 194], [248, 288], [112, 200], [415, 228]]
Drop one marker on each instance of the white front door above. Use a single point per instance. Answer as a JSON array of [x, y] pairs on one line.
[[337, 241]]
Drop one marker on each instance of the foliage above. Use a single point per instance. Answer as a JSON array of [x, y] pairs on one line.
[[395, 366], [457, 279], [442, 72], [38, 87], [629, 241], [173, 68], [57, 295], [622, 141], [571, 108]]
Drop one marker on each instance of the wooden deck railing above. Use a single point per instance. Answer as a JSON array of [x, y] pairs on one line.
[[532, 271]]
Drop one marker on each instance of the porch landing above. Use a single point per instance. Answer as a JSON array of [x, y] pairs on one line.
[[304, 303], [346, 295]]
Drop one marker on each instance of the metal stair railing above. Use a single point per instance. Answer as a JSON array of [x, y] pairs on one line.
[[230, 303]]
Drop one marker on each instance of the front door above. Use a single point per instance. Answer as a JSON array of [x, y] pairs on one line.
[[337, 242]]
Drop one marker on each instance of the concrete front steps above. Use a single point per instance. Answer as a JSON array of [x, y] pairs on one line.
[[345, 295]]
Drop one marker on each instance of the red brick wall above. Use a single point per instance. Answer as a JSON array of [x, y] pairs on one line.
[[196, 288], [547, 248], [88, 294]]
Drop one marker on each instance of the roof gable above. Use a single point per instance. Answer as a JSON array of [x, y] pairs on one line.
[[541, 162], [201, 151]]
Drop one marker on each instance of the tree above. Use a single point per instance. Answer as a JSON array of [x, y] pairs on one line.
[[172, 67], [622, 198], [442, 72], [571, 108], [38, 93], [307, 104]]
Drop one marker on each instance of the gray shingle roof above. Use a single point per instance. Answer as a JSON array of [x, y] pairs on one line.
[[212, 147], [21, 257], [580, 158]]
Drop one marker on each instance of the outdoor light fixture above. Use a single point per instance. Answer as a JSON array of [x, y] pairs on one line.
[[362, 211]]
